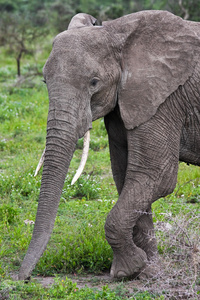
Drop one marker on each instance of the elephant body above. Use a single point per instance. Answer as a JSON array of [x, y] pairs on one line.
[[174, 130], [141, 73]]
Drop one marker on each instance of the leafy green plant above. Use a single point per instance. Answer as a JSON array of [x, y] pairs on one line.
[[8, 213], [62, 289]]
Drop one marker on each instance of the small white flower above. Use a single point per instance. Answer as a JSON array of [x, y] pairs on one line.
[[90, 225]]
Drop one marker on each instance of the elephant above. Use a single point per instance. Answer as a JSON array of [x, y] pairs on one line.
[[141, 72]]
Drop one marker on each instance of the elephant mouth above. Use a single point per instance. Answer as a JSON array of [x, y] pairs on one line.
[[83, 161]]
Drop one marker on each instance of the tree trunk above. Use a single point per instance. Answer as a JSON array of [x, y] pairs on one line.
[[18, 63]]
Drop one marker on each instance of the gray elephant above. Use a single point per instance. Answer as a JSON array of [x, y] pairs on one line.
[[140, 72]]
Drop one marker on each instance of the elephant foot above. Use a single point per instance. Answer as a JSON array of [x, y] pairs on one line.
[[128, 263]]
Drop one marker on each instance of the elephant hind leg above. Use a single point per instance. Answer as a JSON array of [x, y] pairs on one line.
[[144, 238], [144, 235]]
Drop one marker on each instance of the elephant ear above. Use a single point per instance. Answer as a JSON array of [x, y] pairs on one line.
[[158, 55], [81, 20]]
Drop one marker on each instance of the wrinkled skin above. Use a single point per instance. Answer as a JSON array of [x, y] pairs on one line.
[[142, 73]]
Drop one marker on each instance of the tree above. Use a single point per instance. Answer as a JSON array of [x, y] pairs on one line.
[[18, 35], [59, 14], [187, 9]]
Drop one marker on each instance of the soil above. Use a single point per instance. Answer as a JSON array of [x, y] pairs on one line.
[[173, 288], [97, 281], [129, 287]]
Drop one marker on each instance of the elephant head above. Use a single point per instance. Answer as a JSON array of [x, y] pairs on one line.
[[134, 63]]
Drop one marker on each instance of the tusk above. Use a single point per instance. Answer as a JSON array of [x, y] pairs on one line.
[[86, 145], [40, 163], [82, 163]]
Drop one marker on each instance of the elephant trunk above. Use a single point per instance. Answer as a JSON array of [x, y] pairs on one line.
[[62, 136]]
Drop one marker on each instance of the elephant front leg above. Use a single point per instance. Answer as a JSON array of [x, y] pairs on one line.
[[129, 259], [117, 137]]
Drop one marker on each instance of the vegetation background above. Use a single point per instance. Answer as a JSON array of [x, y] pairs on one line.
[[78, 247]]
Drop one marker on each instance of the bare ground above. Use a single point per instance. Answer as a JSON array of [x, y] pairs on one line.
[[169, 287]]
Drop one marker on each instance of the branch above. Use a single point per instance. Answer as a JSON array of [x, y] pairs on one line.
[[181, 185], [184, 10]]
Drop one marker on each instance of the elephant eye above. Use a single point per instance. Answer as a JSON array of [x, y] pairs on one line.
[[94, 82]]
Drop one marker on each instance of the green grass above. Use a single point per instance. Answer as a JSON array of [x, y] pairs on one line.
[[78, 244]]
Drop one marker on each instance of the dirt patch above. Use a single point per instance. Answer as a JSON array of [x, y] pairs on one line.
[[168, 287], [88, 280], [95, 281], [171, 286]]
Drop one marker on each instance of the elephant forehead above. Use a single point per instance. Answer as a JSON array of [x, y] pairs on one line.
[[73, 64], [74, 55], [83, 40]]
